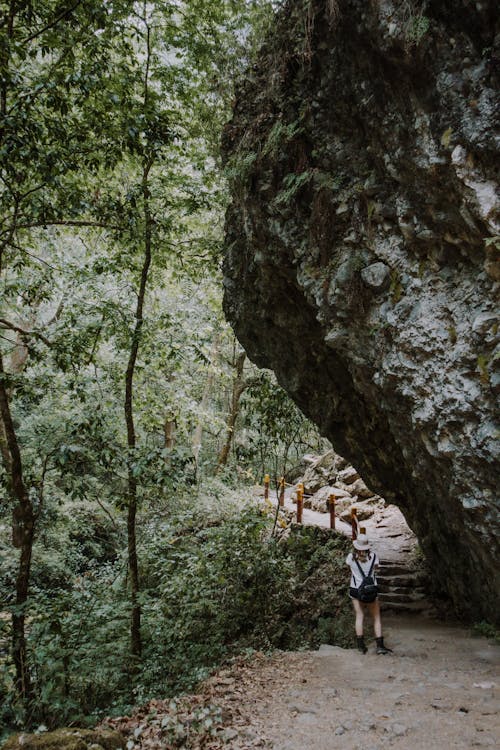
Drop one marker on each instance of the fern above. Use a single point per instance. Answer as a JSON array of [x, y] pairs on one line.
[[279, 135], [292, 183]]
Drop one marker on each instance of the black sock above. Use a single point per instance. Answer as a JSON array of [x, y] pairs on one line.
[[361, 644], [381, 648]]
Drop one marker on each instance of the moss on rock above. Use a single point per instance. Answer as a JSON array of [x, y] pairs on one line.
[[67, 739]]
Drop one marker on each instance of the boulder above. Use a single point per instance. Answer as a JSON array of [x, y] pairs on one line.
[[348, 476], [358, 487], [322, 470], [342, 161], [377, 276], [365, 510], [319, 501]]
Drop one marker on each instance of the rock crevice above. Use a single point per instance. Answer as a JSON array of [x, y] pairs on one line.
[[362, 255]]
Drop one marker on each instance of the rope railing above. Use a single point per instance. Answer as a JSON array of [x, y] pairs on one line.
[[282, 484], [301, 494]]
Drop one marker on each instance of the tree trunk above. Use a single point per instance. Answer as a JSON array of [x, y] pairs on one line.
[[4, 447], [198, 433], [133, 567], [169, 433], [23, 533], [239, 386]]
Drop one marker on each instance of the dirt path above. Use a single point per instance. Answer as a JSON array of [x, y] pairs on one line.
[[387, 529], [438, 690]]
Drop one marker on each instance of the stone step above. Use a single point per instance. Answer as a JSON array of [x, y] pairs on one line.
[[408, 590], [406, 581], [408, 607], [400, 598], [393, 568]]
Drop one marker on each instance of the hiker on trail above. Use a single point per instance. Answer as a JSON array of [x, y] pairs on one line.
[[363, 590]]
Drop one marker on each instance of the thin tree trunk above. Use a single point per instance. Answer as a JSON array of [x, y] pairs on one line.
[[239, 386], [23, 520], [23, 533], [169, 433], [4, 447], [133, 566], [135, 630], [198, 433]]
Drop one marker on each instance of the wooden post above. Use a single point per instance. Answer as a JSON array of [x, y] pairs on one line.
[[282, 492], [266, 487], [300, 501], [354, 523], [332, 511]]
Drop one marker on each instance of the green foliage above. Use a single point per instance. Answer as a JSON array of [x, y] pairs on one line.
[[215, 583], [417, 28], [111, 117], [276, 433], [482, 365], [292, 183], [239, 167], [396, 287], [487, 630], [279, 135], [492, 242], [221, 587], [327, 181]]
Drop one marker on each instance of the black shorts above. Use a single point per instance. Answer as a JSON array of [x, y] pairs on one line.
[[353, 594]]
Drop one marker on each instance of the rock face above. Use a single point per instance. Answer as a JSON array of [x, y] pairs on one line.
[[362, 255]]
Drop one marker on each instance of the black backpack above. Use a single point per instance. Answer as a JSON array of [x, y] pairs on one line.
[[368, 590]]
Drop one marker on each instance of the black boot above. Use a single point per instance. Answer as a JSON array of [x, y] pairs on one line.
[[361, 644], [381, 649]]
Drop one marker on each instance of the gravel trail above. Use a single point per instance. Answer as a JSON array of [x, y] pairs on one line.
[[438, 690]]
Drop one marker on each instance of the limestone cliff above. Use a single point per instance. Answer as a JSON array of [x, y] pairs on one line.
[[362, 255]]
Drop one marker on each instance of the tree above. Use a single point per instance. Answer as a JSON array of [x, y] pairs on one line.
[[110, 118], [51, 57]]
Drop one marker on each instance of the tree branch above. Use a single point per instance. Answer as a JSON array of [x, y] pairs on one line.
[[27, 334], [68, 223], [53, 23]]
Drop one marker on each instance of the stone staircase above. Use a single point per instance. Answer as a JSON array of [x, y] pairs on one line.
[[402, 588]]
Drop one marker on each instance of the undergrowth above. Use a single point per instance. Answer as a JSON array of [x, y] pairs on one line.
[[215, 583], [486, 629]]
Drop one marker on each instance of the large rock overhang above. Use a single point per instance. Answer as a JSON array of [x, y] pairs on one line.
[[361, 262]]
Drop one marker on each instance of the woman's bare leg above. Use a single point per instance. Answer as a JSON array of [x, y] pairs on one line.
[[358, 609], [377, 621]]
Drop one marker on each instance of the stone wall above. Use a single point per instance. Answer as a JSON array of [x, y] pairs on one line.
[[362, 255]]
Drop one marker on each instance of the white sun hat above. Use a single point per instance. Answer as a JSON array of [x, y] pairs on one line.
[[361, 542]]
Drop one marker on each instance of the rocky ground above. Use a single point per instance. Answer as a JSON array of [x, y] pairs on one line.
[[439, 689]]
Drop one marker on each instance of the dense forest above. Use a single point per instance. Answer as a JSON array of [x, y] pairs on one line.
[[132, 426]]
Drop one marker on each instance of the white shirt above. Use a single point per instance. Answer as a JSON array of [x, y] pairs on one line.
[[356, 579]]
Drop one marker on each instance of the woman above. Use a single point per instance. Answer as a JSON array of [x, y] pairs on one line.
[[368, 561]]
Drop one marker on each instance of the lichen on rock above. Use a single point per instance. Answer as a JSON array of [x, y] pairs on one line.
[[362, 256]]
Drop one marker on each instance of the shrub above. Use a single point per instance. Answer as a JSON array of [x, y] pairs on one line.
[[211, 588]]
